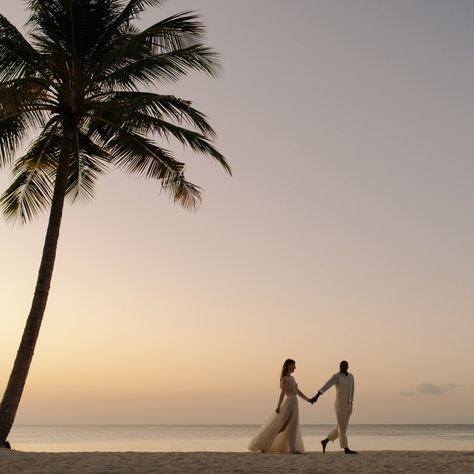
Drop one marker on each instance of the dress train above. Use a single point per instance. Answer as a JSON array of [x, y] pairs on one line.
[[281, 433]]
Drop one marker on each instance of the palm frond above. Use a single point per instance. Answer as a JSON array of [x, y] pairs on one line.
[[28, 95], [176, 32], [23, 105], [157, 105], [88, 162], [13, 131], [119, 20], [17, 57], [182, 191], [28, 196], [136, 154], [51, 26], [133, 9], [33, 178], [82, 72], [14, 128], [71, 29], [179, 32], [139, 113], [196, 141], [167, 67]]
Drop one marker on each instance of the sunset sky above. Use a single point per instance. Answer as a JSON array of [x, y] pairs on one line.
[[346, 232]]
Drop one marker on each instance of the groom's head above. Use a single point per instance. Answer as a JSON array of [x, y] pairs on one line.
[[344, 366]]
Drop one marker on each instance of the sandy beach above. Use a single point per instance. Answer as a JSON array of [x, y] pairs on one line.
[[459, 462]]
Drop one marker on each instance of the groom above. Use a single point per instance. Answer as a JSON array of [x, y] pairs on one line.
[[344, 383]]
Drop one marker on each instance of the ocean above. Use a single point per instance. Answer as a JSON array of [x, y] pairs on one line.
[[232, 437]]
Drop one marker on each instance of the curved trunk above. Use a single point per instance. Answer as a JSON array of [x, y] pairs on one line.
[[16, 382]]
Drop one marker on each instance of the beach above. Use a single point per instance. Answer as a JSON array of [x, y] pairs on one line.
[[15, 462]]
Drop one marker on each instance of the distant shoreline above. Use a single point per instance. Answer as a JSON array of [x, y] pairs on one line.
[[230, 438], [24, 425]]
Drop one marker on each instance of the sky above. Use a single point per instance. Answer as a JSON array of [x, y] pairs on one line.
[[345, 232]]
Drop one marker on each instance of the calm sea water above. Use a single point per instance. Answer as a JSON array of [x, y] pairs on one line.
[[233, 437]]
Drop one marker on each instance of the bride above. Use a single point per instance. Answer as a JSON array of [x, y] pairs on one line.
[[282, 433]]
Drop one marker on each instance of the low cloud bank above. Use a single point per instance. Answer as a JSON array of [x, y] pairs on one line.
[[430, 389]]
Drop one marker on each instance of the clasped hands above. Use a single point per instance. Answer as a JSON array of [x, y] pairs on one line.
[[315, 398]]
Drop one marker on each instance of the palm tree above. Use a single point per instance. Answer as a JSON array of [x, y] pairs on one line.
[[84, 82]]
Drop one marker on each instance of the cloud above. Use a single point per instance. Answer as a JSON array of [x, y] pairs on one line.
[[427, 388], [432, 389]]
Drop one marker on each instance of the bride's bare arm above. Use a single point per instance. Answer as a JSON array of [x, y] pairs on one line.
[[282, 396], [302, 395]]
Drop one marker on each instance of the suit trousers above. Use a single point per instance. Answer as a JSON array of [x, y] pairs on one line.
[[343, 413]]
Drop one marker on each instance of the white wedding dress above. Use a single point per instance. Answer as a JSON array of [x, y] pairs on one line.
[[281, 433]]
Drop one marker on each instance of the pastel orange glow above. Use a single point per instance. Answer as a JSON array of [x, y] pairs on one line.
[[345, 233]]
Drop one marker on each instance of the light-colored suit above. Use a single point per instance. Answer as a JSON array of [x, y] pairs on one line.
[[343, 405]]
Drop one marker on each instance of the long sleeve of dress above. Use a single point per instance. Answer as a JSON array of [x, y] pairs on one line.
[[352, 389]]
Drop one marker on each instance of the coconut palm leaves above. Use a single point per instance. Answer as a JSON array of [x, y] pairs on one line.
[[83, 70], [82, 87]]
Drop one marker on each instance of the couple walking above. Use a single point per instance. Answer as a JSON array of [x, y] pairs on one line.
[[282, 433]]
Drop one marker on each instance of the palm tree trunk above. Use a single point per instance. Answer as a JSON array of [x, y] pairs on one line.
[[16, 382]]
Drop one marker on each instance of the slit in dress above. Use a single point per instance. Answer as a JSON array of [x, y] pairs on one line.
[[287, 422]]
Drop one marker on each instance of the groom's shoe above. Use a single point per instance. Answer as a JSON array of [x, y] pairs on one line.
[[324, 442], [348, 451]]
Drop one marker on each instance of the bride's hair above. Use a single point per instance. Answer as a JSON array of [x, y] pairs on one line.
[[286, 364]]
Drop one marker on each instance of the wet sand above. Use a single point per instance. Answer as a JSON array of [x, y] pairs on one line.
[[15, 462]]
